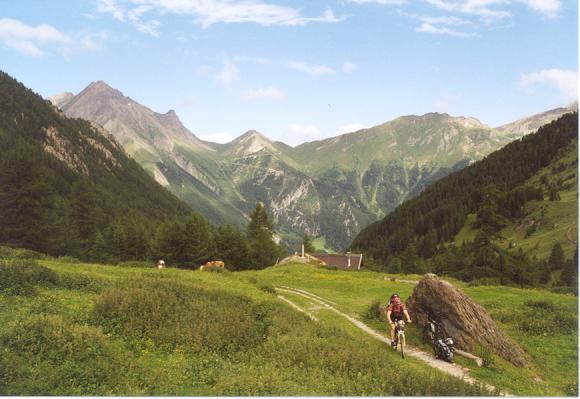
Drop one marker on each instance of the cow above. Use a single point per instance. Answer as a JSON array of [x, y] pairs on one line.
[[215, 263]]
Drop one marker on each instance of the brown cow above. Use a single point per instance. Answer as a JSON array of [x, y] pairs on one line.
[[215, 263]]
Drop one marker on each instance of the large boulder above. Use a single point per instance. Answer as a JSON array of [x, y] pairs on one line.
[[462, 319]]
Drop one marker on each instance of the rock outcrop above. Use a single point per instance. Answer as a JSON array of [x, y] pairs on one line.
[[461, 318]]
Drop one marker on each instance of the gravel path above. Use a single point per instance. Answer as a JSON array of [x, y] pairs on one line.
[[448, 368]]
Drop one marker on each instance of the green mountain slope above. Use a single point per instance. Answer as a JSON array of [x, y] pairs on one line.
[[496, 205], [63, 181], [329, 189]]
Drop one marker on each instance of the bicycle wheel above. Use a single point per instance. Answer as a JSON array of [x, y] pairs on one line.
[[402, 343]]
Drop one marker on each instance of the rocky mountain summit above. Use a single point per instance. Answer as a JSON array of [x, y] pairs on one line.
[[330, 188]]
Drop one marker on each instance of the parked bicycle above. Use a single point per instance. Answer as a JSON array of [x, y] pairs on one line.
[[443, 348]]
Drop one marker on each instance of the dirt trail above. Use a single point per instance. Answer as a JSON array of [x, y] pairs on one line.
[[448, 368]]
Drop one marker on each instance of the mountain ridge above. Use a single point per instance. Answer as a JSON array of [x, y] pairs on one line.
[[328, 188]]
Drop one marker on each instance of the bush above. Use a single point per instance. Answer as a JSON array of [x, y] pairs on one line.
[[174, 315], [485, 281], [565, 290], [376, 311], [80, 282], [45, 355], [20, 253], [541, 304], [268, 289], [68, 259], [136, 263], [550, 323], [19, 276], [486, 356]]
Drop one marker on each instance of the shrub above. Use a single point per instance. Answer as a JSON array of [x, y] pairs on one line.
[[565, 290], [45, 355], [540, 304], [173, 315], [80, 282], [268, 289], [485, 281], [68, 259], [18, 276], [136, 263], [20, 253], [486, 356], [375, 311]]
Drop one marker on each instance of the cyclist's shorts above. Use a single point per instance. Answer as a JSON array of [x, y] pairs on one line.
[[396, 317]]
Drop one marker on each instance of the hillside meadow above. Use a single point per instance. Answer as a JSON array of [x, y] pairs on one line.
[[70, 328]]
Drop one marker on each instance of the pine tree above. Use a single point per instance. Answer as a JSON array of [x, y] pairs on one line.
[[557, 260], [569, 276], [99, 249], [232, 247], [263, 250], [259, 222], [308, 245], [25, 201]]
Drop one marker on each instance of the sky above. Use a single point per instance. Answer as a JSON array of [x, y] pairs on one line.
[[298, 70]]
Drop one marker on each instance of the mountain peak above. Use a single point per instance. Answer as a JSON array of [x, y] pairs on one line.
[[251, 142], [61, 99]]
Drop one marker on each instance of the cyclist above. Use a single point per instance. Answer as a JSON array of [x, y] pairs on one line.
[[395, 312]]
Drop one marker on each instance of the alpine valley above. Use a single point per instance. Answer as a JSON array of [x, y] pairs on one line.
[[329, 189]]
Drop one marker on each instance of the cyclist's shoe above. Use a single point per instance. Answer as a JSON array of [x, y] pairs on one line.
[[394, 345]]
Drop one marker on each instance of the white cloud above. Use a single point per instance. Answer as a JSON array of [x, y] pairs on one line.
[[301, 133], [446, 20], [565, 81], [148, 27], [263, 93], [351, 127], [111, 7], [314, 70], [223, 137], [349, 67], [210, 12], [497, 9], [228, 74], [301, 66], [442, 30], [382, 2], [29, 39], [549, 8]]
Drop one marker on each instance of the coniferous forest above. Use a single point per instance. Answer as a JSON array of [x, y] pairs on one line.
[[415, 238], [68, 189]]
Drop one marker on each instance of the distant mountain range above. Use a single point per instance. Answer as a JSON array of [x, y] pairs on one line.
[[329, 189]]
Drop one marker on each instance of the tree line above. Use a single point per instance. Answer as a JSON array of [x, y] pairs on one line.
[[415, 236]]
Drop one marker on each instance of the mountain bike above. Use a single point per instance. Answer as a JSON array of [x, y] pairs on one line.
[[443, 348], [400, 336]]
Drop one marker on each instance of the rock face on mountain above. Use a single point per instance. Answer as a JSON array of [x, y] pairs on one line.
[[330, 188], [462, 319]]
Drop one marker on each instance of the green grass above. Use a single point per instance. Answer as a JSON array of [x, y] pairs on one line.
[[189, 333], [554, 355], [106, 330]]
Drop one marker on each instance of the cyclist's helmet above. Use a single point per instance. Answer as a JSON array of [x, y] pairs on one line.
[[395, 299]]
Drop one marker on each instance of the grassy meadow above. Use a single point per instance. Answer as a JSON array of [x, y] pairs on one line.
[[85, 329]]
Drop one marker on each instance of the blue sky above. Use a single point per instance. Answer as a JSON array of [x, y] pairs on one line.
[[301, 70]]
